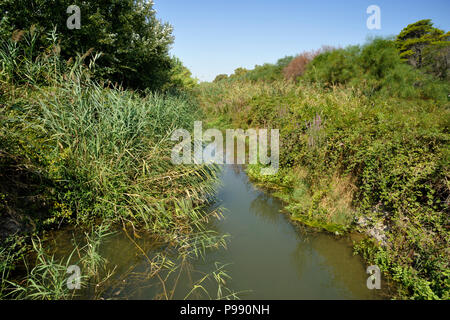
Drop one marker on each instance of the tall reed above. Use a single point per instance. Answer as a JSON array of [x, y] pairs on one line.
[[101, 152]]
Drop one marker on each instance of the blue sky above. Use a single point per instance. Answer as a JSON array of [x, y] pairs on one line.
[[217, 36]]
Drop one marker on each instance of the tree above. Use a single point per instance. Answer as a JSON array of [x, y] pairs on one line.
[[134, 43], [436, 59], [240, 72], [220, 77], [181, 77], [415, 38]]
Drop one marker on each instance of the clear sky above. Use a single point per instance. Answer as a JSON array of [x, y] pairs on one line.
[[218, 36]]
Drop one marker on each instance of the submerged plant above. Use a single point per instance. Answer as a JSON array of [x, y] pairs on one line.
[[47, 280]]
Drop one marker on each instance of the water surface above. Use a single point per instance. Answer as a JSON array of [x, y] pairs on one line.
[[277, 259], [268, 256]]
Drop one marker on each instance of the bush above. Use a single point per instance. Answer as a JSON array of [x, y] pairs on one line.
[[345, 154], [133, 42], [180, 78], [436, 60], [362, 135], [81, 152], [334, 67], [375, 68], [220, 77], [266, 72]]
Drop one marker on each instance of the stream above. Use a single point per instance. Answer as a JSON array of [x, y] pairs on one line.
[[267, 256]]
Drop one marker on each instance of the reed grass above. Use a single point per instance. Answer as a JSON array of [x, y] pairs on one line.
[[102, 154], [45, 275]]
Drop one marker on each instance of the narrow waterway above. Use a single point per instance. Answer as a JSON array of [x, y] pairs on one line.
[[268, 257], [276, 259]]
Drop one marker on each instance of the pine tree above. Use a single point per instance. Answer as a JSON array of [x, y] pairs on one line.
[[415, 40]]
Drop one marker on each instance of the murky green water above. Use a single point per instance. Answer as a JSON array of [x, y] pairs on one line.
[[276, 259], [269, 257]]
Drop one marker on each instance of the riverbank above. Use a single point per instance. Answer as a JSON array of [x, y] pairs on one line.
[[366, 152], [78, 152], [266, 256], [350, 161]]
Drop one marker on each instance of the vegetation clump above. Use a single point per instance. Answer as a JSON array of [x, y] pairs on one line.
[[79, 151], [87, 114], [364, 146]]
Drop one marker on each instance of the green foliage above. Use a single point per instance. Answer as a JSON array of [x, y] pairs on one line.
[[266, 72], [334, 67], [75, 151], [45, 281], [436, 59], [24, 63], [96, 152], [376, 69], [413, 285], [133, 42], [181, 78], [377, 155], [416, 37], [379, 149], [220, 77], [46, 277], [12, 250]]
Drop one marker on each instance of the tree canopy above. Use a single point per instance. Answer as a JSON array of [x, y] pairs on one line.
[[134, 43], [421, 45]]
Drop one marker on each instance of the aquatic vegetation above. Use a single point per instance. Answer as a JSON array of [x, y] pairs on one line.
[[82, 152], [46, 278]]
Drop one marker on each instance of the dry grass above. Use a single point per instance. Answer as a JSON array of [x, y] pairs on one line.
[[338, 202]]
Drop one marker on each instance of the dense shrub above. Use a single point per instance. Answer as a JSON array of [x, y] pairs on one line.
[[436, 60], [364, 135], [334, 67], [133, 42], [220, 77], [297, 66], [375, 68], [266, 72], [344, 155], [180, 77]]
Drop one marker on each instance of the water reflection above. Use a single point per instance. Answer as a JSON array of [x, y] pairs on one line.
[[292, 262], [266, 208]]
